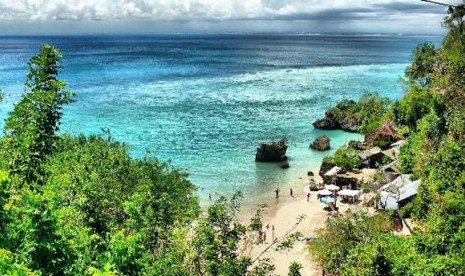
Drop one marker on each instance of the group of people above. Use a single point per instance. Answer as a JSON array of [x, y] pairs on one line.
[[291, 193]]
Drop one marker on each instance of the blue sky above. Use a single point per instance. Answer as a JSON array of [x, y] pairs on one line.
[[23, 17]]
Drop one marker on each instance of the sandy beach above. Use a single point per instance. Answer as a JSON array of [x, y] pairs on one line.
[[283, 213]]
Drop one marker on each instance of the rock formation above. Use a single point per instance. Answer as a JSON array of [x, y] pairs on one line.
[[272, 152], [321, 143], [332, 120]]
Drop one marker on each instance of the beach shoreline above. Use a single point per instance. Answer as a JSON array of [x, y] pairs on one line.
[[282, 214]]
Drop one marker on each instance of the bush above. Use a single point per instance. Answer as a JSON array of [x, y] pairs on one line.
[[346, 158], [294, 269]]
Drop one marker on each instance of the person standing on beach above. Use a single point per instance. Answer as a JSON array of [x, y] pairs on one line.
[[291, 192], [272, 233], [308, 197], [277, 192]]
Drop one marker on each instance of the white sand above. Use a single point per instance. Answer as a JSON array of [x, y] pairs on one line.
[[283, 214]]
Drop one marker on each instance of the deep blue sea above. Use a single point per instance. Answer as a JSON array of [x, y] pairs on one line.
[[204, 102]]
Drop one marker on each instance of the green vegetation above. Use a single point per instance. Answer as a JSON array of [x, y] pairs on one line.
[[431, 117], [294, 269], [364, 115], [345, 157]]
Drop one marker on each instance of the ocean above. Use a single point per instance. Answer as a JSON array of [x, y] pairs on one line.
[[205, 102]]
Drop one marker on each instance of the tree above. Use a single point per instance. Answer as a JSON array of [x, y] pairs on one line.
[[423, 61], [216, 241], [31, 128], [455, 19]]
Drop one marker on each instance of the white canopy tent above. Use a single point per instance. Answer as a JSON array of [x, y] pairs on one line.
[[353, 194], [347, 192], [324, 192]]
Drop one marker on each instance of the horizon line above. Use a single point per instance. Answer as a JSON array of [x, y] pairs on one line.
[[225, 33]]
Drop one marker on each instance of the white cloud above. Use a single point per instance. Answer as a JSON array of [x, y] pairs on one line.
[[173, 9], [154, 16]]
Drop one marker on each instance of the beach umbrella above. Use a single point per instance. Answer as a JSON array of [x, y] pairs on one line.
[[328, 199], [331, 199], [332, 187], [324, 192]]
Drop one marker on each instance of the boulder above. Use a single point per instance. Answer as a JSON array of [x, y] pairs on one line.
[[326, 123], [284, 165], [349, 124], [272, 152], [310, 173], [321, 143]]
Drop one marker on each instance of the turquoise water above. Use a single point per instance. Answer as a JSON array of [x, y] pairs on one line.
[[205, 103]]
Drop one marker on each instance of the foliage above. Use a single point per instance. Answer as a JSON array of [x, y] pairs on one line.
[[345, 157], [342, 234], [8, 266], [216, 241], [289, 241], [368, 112], [417, 103], [264, 268], [423, 59], [294, 269], [31, 128], [432, 115]]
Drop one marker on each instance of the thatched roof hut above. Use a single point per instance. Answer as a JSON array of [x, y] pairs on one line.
[[383, 136]]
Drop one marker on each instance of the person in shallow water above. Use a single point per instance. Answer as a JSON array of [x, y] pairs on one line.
[[291, 192], [277, 192]]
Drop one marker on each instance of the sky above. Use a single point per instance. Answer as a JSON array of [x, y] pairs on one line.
[[61, 17]]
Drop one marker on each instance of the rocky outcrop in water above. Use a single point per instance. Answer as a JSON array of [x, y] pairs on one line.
[[328, 123], [331, 121], [272, 152], [342, 116], [321, 143]]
